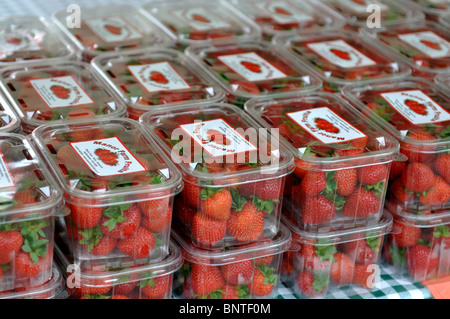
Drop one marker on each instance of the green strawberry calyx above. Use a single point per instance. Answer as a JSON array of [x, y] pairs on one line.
[[330, 191], [325, 251], [321, 280], [377, 189], [115, 215], [96, 296], [35, 242], [91, 237], [238, 201], [441, 231], [264, 205], [373, 242], [270, 277]]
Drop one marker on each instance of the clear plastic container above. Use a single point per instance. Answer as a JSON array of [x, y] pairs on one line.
[[247, 69], [199, 21], [31, 38], [331, 261], [112, 27], [357, 13], [445, 20], [425, 47], [156, 77], [9, 122], [118, 187], [342, 160], [419, 245], [29, 200], [341, 57], [52, 289], [245, 272], [443, 80], [275, 16], [42, 93], [150, 281], [233, 174], [433, 9], [416, 113]]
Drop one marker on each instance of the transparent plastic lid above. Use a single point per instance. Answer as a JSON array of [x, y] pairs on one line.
[[413, 110], [111, 27], [27, 189], [30, 38], [146, 78], [270, 247], [432, 6], [58, 92], [48, 290], [107, 161], [433, 219], [383, 227], [445, 20], [424, 46], [280, 16], [443, 80], [253, 68], [342, 57], [9, 122], [104, 275], [357, 12], [323, 129], [199, 21], [218, 143]]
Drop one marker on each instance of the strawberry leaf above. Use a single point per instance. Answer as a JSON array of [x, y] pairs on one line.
[[91, 237], [321, 281], [373, 242], [441, 231], [325, 252], [264, 205], [398, 255], [238, 201], [269, 276], [378, 188]]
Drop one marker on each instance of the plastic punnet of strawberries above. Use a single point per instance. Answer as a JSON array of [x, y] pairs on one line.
[[416, 113], [117, 185], [58, 92], [233, 174], [249, 271], [342, 160], [159, 77], [247, 69], [29, 201], [341, 57]]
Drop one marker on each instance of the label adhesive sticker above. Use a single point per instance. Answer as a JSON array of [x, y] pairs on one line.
[[416, 107], [201, 19], [61, 91], [218, 138], [251, 66], [113, 29], [427, 42], [283, 12], [6, 179], [341, 54], [108, 157], [158, 77], [326, 126]]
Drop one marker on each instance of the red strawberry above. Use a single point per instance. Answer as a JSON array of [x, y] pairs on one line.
[[418, 177], [316, 258], [405, 235], [301, 167], [317, 210], [365, 275], [234, 292], [120, 224], [159, 225], [25, 267], [370, 175], [113, 29], [85, 216], [397, 169], [205, 279], [438, 195], [10, 243], [126, 284], [313, 183], [216, 204], [207, 230], [238, 273], [266, 190], [119, 297], [362, 204], [191, 194], [247, 224], [96, 285], [418, 153], [341, 271], [312, 285], [263, 282], [399, 192], [95, 242], [363, 251], [421, 260], [139, 246], [156, 287], [443, 166], [155, 208], [346, 181]]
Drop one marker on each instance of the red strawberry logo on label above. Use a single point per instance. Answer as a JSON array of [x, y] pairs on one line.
[[416, 107], [107, 156], [282, 11], [200, 18], [341, 54], [60, 91], [255, 68], [158, 77], [217, 137], [360, 2], [13, 40], [113, 29], [323, 124], [432, 45]]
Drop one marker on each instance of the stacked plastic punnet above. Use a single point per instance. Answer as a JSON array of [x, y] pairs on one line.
[[416, 112], [230, 208], [337, 190], [30, 201]]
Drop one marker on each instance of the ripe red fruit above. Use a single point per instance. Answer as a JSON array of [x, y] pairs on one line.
[[363, 251], [104, 247], [316, 258], [263, 282], [399, 192], [317, 210], [218, 205], [266, 190], [156, 287], [139, 246], [443, 166], [438, 195], [85, 216], [191, 194], [421, 261], [346, 181], [207, 230], [313, 183], [405, 235], [312, 285], [205, 279], [159, 225], [362, 204], [370, 175], [121, 225], [127, 285], [155, 208], [418, 177], [247, 224], [10, 243], [238, 273], [365, 275], [397, 169], [341, 271], [25, 267]]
